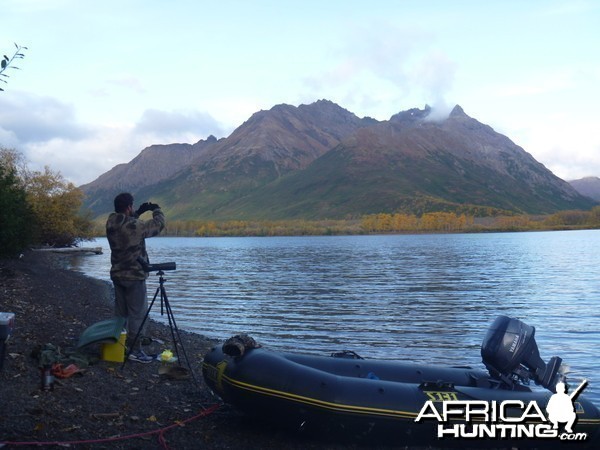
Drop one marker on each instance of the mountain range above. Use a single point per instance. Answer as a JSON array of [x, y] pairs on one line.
[[321, 161], [588, 186]]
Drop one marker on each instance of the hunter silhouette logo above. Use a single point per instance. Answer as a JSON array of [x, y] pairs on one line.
[[560, 406], [507, 419]]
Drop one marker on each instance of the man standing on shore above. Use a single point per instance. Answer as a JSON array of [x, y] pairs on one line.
[[126, 235]]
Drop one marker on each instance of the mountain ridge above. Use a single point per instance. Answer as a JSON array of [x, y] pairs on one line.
[[409, 170], [587, 186], [322, 161]]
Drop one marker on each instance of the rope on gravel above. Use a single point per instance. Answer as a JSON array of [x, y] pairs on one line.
[[161, 433]]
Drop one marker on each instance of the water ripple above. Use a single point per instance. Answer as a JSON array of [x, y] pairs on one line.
[[427, 298]]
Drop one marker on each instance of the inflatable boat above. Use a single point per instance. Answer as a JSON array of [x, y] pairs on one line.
[[345, 397]]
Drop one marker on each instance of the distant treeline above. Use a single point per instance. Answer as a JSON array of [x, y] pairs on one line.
[[433, 222], [262, 228], [452, 222]]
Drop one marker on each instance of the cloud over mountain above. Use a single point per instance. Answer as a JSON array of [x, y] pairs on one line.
[[169, 124]]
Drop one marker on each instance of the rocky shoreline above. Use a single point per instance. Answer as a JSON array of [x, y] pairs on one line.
[[107, 405]]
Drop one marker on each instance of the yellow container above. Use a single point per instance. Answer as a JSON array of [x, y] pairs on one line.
[[115, 352]]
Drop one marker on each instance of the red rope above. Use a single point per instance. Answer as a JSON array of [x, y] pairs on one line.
[[161, 433]]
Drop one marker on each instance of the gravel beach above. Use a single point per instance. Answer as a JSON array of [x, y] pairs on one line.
[[106, 405]]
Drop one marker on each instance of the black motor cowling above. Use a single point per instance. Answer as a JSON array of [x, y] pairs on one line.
[[510, 354]]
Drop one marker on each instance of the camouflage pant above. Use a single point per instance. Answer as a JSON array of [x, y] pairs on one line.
[[131, 302]]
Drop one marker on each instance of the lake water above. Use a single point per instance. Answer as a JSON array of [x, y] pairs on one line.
[[422, 298]]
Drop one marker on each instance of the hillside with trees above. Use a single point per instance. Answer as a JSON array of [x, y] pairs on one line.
[[322, 162]]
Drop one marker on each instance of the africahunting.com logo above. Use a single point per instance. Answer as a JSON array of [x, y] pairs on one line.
[[507, 419]]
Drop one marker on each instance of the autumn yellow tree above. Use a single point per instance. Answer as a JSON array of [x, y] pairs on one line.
[[594, 219], [514, 223], [55, 204], [405, 222]]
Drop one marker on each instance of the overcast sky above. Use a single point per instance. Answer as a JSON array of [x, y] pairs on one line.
[[101, 80]]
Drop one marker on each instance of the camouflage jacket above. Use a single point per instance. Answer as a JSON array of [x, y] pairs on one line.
[[126, 237]]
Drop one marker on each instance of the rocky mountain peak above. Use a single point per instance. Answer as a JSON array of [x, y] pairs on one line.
[[321, 160], [411, 116], [457, 111]]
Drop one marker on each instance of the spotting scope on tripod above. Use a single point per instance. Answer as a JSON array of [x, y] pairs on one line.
[[164, 306], [147, 267]]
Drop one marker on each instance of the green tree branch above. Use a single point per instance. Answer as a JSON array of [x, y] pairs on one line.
[[7, 63]]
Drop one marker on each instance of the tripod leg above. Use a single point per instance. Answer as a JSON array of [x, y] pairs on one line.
[[164, 300], [137, 335], [175, 330]]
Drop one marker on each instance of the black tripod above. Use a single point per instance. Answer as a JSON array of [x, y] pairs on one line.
[[164, 305]]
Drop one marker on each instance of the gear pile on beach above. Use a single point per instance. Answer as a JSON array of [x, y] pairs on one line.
[[101, 404]]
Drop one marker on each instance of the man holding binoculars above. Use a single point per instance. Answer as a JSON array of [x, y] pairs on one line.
[[126, 235]]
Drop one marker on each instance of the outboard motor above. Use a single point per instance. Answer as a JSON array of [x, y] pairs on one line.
[[510, 353]]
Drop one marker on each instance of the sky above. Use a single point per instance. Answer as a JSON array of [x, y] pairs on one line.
[[102, 80]]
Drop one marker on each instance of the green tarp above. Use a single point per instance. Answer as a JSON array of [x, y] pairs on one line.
[[106, 331]]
